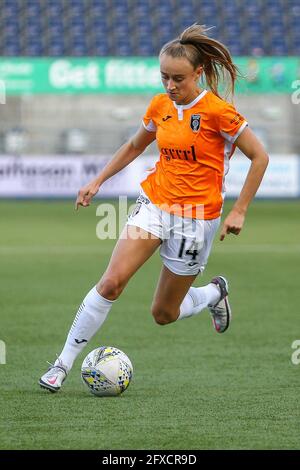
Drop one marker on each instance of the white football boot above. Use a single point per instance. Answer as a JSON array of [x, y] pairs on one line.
[[221, 312], [53, 379]]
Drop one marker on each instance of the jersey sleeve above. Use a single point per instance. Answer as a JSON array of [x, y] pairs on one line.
[[148, 120], [231, 123]]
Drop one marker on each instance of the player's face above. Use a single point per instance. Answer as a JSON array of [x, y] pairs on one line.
[[179, 78]]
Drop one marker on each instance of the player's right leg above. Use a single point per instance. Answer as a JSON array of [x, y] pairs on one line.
[[133, 248]]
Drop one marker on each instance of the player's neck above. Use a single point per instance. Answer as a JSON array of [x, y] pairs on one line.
[[189, 99]]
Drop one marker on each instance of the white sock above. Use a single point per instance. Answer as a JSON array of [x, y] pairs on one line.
[[197, 299], [90, 316]]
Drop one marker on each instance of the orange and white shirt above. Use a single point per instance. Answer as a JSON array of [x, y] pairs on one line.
[[196, 142]]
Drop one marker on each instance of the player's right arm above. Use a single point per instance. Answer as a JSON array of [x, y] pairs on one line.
[[125, 155]]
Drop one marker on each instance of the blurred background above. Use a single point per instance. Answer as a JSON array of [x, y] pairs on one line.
[[77, 75]]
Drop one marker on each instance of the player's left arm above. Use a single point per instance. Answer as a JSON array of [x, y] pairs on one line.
[[248, 143]]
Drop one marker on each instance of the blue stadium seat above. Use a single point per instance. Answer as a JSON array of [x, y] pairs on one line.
[[10, 26], [98, 38], [54, 5], [144, 27], [230, 10], [295, 10], [76, 28], [75, 11], [95, 24], [295, 36], [235, 48], [32, 10], [10, 48], [56, 49], [10, 10], [98, 8], [204, 3], [277, 30], [33, 30], [278, 50], [33, 49], [254, 28], [76, 3], [184, 23], [144, 49], [295, 50], [185, 10], [161, 40], [78, 50], [208, 10], [123, 50], [252, 15], [122, 29], [233, 29], [55, 30], [10, 34], [209, 20], [101, 49], [141, 10], [85, 23], [158, 21], [250, 44], [9, 3], [120, 13]]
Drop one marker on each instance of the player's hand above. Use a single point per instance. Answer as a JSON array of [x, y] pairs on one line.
[[86, 193], [233, 224]]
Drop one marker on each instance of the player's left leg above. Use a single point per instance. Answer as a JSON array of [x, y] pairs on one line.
[[170, 292], [176, 299], [185, 255]]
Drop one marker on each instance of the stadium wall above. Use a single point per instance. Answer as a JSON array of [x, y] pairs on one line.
[[53, 176]]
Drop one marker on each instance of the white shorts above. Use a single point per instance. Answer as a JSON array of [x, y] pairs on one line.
[[186, 242]]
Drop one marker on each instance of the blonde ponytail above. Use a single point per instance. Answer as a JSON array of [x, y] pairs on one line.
[[194, 44]]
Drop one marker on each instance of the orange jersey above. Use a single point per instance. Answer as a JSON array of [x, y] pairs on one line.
[[195, 142]]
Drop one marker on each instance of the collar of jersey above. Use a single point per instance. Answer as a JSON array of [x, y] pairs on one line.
[[181, 107]]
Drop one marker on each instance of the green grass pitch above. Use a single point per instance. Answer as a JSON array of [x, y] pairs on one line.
[[192, 388]]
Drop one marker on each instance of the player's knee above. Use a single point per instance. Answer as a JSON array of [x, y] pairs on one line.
[[162, 316], [110, 287]]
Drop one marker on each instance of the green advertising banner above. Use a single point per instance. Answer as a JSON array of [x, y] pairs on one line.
[[131, 75]]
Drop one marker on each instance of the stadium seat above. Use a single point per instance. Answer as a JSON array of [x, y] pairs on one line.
[[144, 49], [279, 50], [102, 50], [53, 10], [234, 48], [32, 10], [123, 50], [98, 24], [10, 49], [295, 50], [9, 11], [55, 49], [33, 49], [141, 10]]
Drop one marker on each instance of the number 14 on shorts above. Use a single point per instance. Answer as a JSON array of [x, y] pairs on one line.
[[190, 253]]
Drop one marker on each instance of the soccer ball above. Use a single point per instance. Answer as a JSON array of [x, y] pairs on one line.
[[106, 371]]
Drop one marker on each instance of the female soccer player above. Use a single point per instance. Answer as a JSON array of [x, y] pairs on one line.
[[181, 200]]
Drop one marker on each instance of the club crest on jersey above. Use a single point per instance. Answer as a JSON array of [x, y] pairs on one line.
[[195, 122]]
